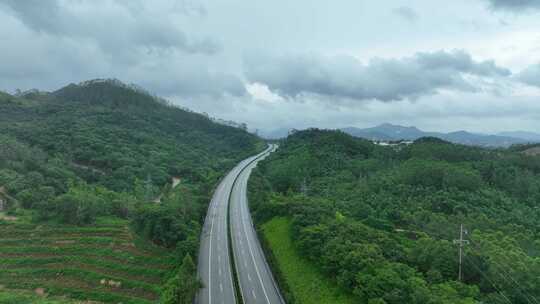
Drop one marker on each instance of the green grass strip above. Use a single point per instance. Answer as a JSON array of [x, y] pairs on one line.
[[128, 271], [12, 233], [306, 282], [27, 297], [99, 240], [72, 292], [116, 254], [90, 277]]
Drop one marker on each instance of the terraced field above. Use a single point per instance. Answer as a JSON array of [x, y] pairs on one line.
[[27, 297], [102, 263]]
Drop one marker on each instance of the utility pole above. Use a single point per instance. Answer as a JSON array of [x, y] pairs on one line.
[[304, 187], [148, 188], [461, 242]]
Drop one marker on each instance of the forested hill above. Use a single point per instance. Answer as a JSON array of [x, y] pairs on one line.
[[121, 133], [381, 221], [81, 166]]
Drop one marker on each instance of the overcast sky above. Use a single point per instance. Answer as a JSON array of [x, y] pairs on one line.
[[467, 64]]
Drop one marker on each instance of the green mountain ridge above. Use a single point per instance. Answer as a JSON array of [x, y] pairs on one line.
[[381, 221], [88, 169], [171, 141]]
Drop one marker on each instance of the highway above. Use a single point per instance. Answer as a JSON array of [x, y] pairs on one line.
[[214, 263], [255, 279]]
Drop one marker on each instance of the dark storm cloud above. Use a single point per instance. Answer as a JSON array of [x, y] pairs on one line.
[[381, 79], [459, 61], [195, 83], [115, 26], [530, 75], [406, 13], [123, 39], [515, 5], [38, 15]]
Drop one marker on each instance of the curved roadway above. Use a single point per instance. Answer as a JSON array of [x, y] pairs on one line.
[[255, 279], [214, 265]]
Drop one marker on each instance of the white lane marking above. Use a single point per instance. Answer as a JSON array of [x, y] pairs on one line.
[[235, 238], [227, 244], [243, 210], [216, 207], [214, 213], [236, 211], [221, 287], [253, 293], [249, 277], [210, 264]]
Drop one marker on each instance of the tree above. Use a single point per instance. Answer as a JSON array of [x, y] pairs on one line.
[[182, 287], [73, 209], [380, 221]]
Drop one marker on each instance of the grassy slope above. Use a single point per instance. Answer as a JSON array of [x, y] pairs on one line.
[[24, 297], [72, 261], [307, 284]]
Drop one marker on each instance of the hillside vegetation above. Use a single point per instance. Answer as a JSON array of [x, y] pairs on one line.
[[381, 221], [26, 297], [308, 285], [86, 172]]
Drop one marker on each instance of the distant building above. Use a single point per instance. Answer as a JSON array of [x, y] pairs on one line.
[[392, 143]]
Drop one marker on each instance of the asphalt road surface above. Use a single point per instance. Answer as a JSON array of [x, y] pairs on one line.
[[214, 264], [255, 279]]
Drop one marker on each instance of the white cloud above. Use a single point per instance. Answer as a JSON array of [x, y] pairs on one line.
[[193, 52], [381, 79]]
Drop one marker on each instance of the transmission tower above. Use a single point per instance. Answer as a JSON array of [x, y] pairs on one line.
[[461, 242]]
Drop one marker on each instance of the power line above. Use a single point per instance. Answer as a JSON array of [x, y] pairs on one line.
[[490, 282], [508, 275]]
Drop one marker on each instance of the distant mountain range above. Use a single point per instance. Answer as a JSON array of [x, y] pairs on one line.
[[389, 132], [530, 136]]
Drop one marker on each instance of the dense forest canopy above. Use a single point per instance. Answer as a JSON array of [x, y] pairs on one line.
[[382, 221], [102, 148], [122, 134]]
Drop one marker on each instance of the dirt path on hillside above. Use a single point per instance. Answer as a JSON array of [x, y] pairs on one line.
[[175, 182]]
